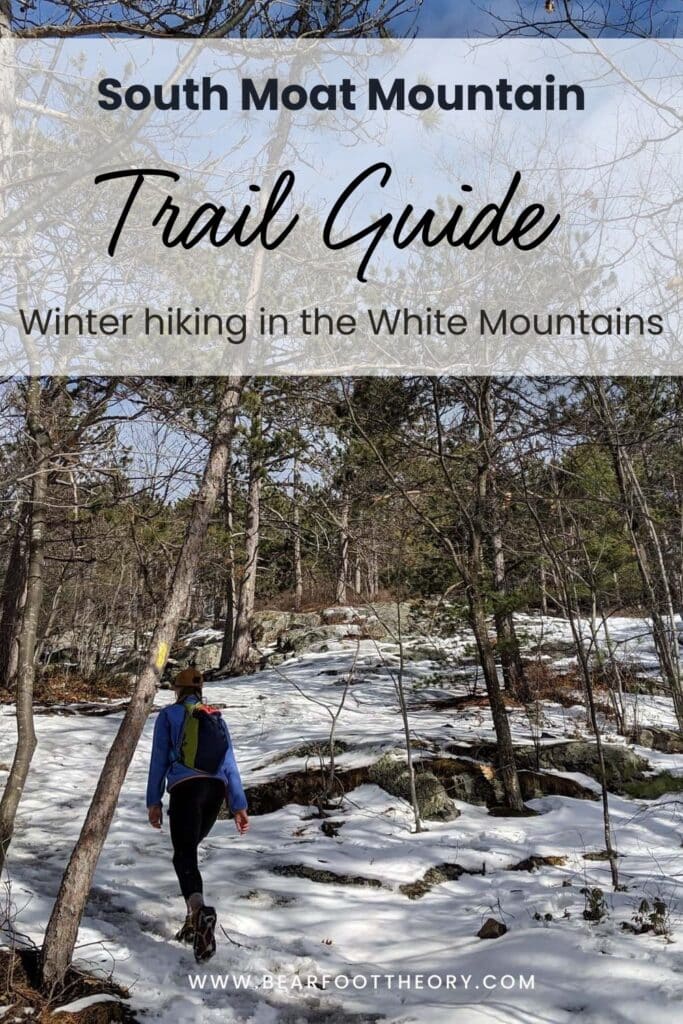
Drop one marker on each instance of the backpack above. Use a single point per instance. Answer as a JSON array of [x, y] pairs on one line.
[[204, 739]]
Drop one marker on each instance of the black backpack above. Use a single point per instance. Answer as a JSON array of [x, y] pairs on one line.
[[204, 738]]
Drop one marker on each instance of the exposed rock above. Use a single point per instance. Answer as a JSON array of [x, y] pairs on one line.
[[434, 876], [294, 641], [322, 875], [665, 740], [468, 781], [538, 784], [622, 764], [536, 861], [491, 929], [340, 614], [266, 626], [307, 788], [331, 829], [208, 657], [433, 802]]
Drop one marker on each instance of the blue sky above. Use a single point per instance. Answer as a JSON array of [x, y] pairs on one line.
[[465, 17], [453, 18]]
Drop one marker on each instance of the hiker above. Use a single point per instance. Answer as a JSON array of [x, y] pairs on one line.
[[192, 753]]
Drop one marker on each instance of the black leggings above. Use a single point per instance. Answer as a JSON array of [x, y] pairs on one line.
[[192, 813]]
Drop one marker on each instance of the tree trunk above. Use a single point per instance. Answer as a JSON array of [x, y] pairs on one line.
[[5, 14], [501, 724], [247, 590], [343, 568], [508, 646], [544, 587], [296, 522], [28, 634], [62, 929], [490, 520], [229, 628], [13, 600]]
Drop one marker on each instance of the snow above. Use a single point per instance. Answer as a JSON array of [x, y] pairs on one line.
[[293, 944]]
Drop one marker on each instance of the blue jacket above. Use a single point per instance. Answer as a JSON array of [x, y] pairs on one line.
[[166, 767]]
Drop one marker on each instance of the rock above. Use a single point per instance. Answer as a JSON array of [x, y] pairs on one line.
[[665, 740], [266, 626], [337, 615], [331, 829], [375, 629], [393, 777], [433, 876], [304, 620], [622, 764], [180, 658], [491, 929], [294, 641], [536, 861], [312, 874], [538, 784], [208, 657]]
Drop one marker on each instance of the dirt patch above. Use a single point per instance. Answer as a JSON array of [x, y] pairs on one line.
[[434, 876], [70, 688], [20, 993], [536, 861], [326, 877]]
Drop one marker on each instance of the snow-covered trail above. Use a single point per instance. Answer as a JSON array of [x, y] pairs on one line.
[[288, 929]]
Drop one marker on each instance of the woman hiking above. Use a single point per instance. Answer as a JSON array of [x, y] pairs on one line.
[[192, 753]]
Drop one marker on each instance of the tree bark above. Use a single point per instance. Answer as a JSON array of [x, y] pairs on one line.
[[229, 628], [343, 569], [501, 724], [13, 599], [28, 634], [296, 522], [62, 929], [247, 589]]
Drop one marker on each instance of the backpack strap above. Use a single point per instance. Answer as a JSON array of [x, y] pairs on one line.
[[187, 706]]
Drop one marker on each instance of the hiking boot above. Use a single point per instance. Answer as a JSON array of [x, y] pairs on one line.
[[186, 933], [204, 943]]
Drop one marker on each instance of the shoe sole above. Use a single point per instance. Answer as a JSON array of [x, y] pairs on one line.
[[204, 944]]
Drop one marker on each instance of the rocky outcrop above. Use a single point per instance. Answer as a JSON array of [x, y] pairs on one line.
[[439, 781], [267, 626], [392, 775], [622, 764], [665, 740]]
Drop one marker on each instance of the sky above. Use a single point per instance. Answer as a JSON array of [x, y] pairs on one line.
[[454, 18], [451, 18]]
